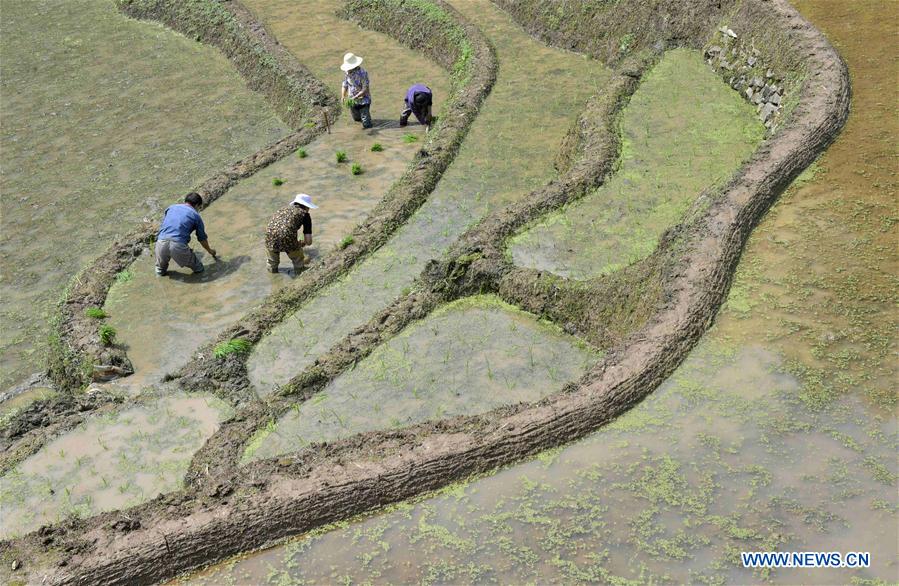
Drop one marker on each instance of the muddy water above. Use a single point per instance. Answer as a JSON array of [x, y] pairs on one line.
[[508, 152], [110, 462], [465, 358], [683, 131], [779, 432], [161, 321], [105, 120]]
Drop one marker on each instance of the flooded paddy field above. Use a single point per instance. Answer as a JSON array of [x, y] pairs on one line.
[[105, 122], [497, 163], [779, 432], [465, 358], [112, 461], [161, 321], [683, 131]]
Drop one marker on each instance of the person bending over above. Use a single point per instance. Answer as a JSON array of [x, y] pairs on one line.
[[178, 222], [418, 101], [281, 234], [355, 89]]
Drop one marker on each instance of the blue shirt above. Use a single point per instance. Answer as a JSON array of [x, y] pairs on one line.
[[179, 221], [355, 81]]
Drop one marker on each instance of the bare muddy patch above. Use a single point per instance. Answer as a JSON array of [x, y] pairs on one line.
[[468, 357], [683, 132], [110, 462]]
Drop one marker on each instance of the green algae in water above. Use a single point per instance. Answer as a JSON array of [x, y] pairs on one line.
[[684, 131], [111, 461], [467, 357]]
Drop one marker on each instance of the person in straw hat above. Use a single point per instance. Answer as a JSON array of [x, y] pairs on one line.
[[281, 234], [355, 90]]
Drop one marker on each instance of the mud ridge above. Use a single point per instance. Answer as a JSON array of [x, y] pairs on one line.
[[77, 357], [459, 47], [690, 274], [76, 354]]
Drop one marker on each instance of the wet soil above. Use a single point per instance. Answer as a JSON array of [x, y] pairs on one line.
[[683, 132], [110, 462], [381, 467], [119, 117], [467, 357], [496, 164], [162, 321], [778, 433]]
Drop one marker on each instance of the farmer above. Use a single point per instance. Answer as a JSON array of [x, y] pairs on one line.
[[281, 234], [418, 101], [355, 89], [178, 222]]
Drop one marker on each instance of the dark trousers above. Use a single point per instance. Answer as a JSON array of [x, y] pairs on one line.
[[362, 114]]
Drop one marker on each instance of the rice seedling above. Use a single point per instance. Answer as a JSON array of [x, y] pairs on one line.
[[95, 312], [377, 148], [356, 169], [302, 154], [107, 334], [124, 276], [340, 156], [235, 346], [410, 138], [349, 103], [277, 181], [346, 241]]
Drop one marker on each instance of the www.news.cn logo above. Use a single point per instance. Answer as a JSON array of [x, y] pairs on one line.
[[805, 559]]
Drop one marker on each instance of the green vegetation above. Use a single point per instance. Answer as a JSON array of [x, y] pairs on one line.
[[356, 169], [104, 456], [235, 346], [95, 312], [340, 156], [301, 153], [377, 148], [346, 241], [497, 354], [107, 334], [410, 138], [277, 181], [125, 276], [349, 103], [674, 148]]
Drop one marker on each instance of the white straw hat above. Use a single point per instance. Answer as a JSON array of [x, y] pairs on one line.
[[351, 61], [304, 200]]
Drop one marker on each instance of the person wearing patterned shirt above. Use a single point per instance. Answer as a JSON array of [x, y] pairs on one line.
[[281, 234], [355, 88]]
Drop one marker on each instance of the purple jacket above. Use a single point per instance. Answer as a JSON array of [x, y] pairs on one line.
[[418, 88]]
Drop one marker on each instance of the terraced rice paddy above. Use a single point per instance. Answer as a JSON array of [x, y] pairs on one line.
[[496, 164], [684, 132], [105, 121], [112, 461], [465, 358], [778, 432], [162, 321]]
